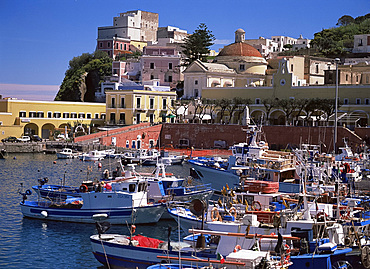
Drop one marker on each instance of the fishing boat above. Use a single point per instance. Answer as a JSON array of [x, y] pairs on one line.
[[139, 156], [94, 155], [165, 158], [254, 155], [122, 201], [67, 153]]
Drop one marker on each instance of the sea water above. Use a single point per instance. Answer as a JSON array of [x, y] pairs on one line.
[[32, 243]]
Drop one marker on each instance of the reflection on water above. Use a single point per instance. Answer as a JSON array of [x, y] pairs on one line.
[[29, 243]]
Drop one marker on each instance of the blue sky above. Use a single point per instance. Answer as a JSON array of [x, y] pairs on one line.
[[40, 37]]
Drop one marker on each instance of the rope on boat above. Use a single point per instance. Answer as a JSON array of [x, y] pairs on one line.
[[105, 254]]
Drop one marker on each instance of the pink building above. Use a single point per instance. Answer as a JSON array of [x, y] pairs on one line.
[[163, 64], [114, 46]]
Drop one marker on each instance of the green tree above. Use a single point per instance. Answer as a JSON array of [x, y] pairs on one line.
[[197, 45], [345, 20]]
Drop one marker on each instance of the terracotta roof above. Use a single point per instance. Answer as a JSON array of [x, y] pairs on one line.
[[240, 49]]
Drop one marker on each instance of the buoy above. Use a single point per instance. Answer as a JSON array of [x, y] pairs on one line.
[[55, 162], [99, 165], [14, 158]]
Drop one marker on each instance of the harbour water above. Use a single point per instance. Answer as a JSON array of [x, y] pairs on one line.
[[30, 243]]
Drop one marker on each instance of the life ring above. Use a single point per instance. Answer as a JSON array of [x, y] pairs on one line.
[[215, 215], [83, 188], [233, 212], [162, 201], [28, 192], [237, 248], [259, 208]]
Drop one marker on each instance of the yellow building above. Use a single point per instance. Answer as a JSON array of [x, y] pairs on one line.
[[132, 106], [42, 118], [355, 99]]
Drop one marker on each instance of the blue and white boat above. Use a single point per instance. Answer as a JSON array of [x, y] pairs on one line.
[[253, 156], [124, 200]]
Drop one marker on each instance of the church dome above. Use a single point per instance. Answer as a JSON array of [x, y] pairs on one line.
[[240, 49]]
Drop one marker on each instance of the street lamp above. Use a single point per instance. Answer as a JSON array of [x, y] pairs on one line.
[[336, 105]]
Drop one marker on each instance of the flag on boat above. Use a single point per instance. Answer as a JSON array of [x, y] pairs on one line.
[[220, 258]]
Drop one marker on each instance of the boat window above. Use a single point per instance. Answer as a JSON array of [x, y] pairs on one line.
[[239, 150], [124, 189], [109, 196], [131, 187]]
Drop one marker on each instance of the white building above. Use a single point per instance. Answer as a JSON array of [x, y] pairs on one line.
[[170, 35], [135, 25], [264, 45], [361, 44]]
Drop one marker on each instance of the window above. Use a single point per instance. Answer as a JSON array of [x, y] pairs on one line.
[[122, 118], [138, 102], [127, 143], [65, 115], [151, 103], [50, 114], [117, 46], [138, 118], [102, 116], [133, 144], [242, 67], [291, 68], [345, 101], [169, 65], [358, 101], [151, 65], [151, 118], [96, 116], [317, 68], [32, 114], [346, 77], [81, 115], [121, 46], [164, 103], [367, 101], [113, 102], [196, 93], [100, 44], [196, 82], [108, 44], [257, 101], [169, 78], [125, 48], [88, 115], [74, 115], [22, 114], [40, 114], [112, 119], [122, 102]]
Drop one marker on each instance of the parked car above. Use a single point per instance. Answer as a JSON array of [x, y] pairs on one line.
[[9, 139], [24, 138], [36, 138]]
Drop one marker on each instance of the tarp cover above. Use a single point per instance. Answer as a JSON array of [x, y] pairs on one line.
[[147, 241]]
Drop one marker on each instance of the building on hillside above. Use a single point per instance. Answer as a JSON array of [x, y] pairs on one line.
[[130, 29], [361, 43], [114, 46], [163, 64], [170, 35], [282, 41], [264, 45], [201, 75], [358, 74], [142, 103], [237, 64], [355, 112], [295, 65], [301, 43], [43, 118]]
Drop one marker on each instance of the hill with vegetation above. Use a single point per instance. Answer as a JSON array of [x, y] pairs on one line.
[[83, 77]]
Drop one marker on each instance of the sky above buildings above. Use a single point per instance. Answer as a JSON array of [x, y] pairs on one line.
[[40, 37]]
